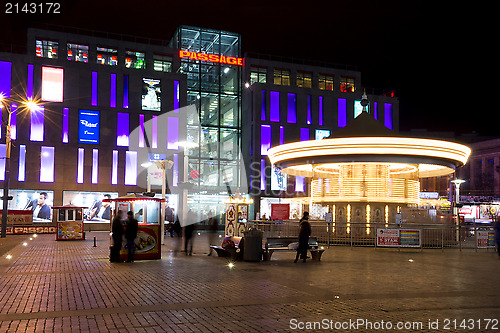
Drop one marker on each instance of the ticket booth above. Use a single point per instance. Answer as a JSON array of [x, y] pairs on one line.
[[147, 211], [69, 222]]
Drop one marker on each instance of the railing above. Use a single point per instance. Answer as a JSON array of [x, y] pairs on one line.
[[432, 236]]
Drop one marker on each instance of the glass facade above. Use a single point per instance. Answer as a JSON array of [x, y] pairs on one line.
[[215, 88]]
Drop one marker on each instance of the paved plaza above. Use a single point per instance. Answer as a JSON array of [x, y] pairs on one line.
[[72, 287]]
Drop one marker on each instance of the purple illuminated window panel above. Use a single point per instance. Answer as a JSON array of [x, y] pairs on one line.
[[47, 165], [95, 166], [29, 82], [173, 133], [320, 110], [263, 106], [265, 139], [112, 97], [375, 110], [130, 167], [176, 97], [114, 168], [94, 89], [175, 171], [304, 134], [141, 131], [309, 114], [125, 91], [3, 150], [21, 174], [299, 184], [388, 115], [122, 129], [65, 136], [36, 130], [79, 166], [154, 139], [342, 112], [282, 135], [262, 175], [5, 78], [274, 106], [291, 108], [13, 121]]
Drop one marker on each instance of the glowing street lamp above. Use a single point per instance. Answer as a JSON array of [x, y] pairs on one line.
[[457, 183], [32, 106]]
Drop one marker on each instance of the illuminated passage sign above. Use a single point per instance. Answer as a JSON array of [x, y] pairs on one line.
[[211, 58], [88, 127]]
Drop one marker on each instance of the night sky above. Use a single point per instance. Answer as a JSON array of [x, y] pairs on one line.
[[438, 58]]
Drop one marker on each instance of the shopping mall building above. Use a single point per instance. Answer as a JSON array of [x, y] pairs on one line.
[[106, 105]]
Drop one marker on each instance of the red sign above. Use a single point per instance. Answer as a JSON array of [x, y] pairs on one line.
[[387, 237], [280, 211], [211, 58], [194, 174], [30, 230]]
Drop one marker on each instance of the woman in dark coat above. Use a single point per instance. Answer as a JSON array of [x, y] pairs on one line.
[[304, 233], [117, 231]]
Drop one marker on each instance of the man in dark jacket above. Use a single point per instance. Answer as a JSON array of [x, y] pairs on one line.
[[304, 233], [117, 232], [131, 234]]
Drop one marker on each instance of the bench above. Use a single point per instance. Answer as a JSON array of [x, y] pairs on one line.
[[222, 252], [280, 244]]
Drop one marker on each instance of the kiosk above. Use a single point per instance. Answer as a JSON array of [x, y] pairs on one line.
[[69, 219], [147, 212]]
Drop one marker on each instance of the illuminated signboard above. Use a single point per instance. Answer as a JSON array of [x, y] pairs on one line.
[[156, 157], [151, 94], [52, 84], [211, 57], [88, 127]]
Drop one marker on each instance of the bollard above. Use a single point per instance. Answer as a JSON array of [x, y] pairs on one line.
[[95, 242]]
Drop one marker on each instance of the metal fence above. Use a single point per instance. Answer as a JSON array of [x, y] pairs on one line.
[[432, 236]]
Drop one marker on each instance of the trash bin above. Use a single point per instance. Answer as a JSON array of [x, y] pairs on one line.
[[252, 246]]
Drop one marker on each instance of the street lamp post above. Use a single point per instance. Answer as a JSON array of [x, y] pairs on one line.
[[7, 170]]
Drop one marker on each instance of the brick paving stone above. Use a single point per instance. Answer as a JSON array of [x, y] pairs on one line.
[[51, 286]]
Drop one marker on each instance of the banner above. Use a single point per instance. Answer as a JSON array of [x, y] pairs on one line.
[[399, 237]]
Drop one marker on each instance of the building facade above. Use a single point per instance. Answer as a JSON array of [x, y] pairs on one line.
[[108, 104]]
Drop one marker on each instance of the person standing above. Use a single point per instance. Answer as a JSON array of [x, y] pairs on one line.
[[497, 235], [131, 234], [304, 233], [117, 233], [212, 231]]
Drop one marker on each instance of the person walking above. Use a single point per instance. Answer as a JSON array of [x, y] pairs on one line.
[[304, 233], [117, 234], [131, 234]]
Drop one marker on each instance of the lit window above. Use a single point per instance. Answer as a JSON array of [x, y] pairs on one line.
[[3, 151], [94, 89], [47, 165], [162, 63], [134, 59], [107, 56], [265, 139], [112, 97], [292, 108], [173, 133], [257, 74], [114, 168], [347, 84], [125, 91], [304, 80], [52, 84], [282, 77], [325, 82], [274, 106], [130, 167], [65, 134], [46, 48], [77, 52], [21, 175], [36, 129], [122, 129], [5, 78], [79, 168], [95, 166], [342, 112]]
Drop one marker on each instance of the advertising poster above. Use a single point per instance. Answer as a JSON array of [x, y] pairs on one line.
[[88, 127], [147, 243], [280, 211], [485, 239], [70, 230], [387, 237], [151, 94], [409, 237]]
